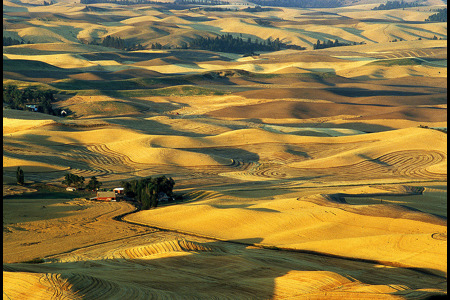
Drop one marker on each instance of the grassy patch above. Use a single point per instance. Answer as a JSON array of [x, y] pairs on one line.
[[75, 84], [114, 85], [161, 81], [46, 191], [185, 90], [397, 62], [260, 75], [35, 261], [103, 108], [54, 195], [317, 75], [87, 92], [14, 65], [24, 84]]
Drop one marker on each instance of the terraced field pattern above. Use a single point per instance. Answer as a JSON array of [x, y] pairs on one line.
[[305, 174]]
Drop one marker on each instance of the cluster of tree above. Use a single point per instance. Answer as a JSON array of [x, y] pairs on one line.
[[396, 5], [434, 38], [156, 46], [146, 190], [217, 9], [72, 179], [93, 184], [440, 16], [257, 9], [177, 5], [202, 2], [300, 3], [48, 3], [20, 176], [121, 2], [19, 99], [228, 43], [160, 46], [330, 43], [263, 22], [78, 182], [248, 9], [118, 43], [8, 41]]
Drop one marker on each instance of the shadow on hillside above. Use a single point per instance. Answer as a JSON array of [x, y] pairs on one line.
[[224, 270], [360, 92], [236, 154], [243, 206], [152, 127], [38, 206], [361, 126], [374, 160]]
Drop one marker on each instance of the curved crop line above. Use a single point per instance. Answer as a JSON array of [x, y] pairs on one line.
[[163, 247], [412, 163]]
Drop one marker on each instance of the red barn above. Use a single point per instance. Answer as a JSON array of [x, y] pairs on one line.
[[106, 196]]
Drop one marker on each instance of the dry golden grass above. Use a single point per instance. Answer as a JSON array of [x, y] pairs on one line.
[[308, 178]]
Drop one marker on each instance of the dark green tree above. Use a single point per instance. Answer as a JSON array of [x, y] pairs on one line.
[[93, 184], [20, 176], [67, 180], [77, 181], [8, 41], [440, 16], [146, 190]]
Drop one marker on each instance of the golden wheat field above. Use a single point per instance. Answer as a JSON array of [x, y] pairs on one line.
[[305, 174]]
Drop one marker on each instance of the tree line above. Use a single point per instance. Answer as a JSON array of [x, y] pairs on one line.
[[228, 43], [146, 190], [257, 9], [202, 2], [121, 2], [78, 182], [117, 43], [330, 43], [440, 16], [396, 4], [19, 99], [216, 9], [9, 41], [72, 179], [300, 3]]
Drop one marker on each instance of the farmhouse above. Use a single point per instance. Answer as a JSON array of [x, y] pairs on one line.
[[32, 107], [162, 197], [106, 196], [119, 190], [70, 189]]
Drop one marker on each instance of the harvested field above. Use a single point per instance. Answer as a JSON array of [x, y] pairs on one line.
[[304, 174]]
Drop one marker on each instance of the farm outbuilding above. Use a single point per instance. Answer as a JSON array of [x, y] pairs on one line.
[[119, 191], [162, 197], [32, 107], [106, 196]]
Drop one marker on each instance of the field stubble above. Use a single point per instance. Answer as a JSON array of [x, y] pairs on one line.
[[300, 169]]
